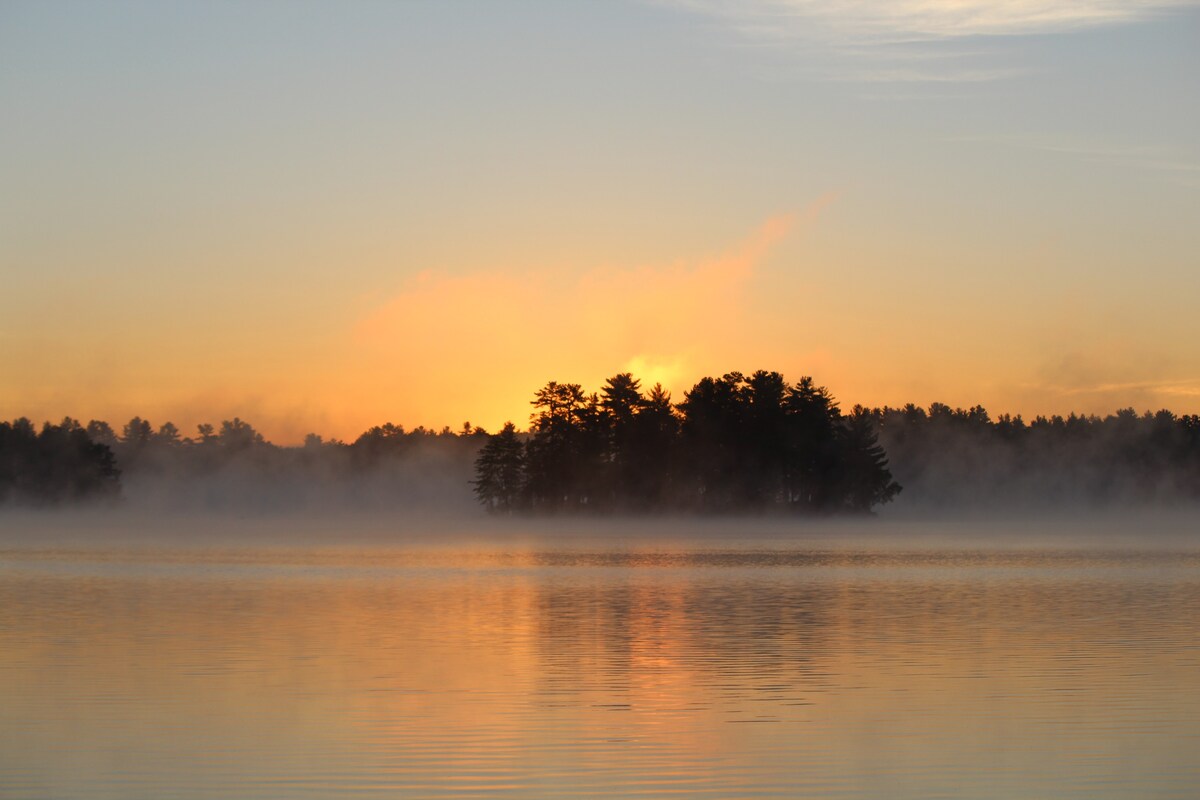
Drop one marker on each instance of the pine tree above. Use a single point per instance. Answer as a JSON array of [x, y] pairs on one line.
[[500, 472], [865, 480]]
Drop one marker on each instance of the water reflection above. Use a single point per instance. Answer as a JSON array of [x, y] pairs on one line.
[[537, 671]]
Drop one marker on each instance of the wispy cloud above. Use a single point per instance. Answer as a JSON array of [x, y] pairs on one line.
[[1139, 377], [650, 312], [444, 336], [889, 21], [899, 74], [914, 41], [1176, 388]]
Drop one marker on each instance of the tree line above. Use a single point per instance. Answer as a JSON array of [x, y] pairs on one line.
[[734, 443], [59, 463], [231, 461], [956, 457]]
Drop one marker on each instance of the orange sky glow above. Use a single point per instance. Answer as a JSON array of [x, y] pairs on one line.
[[324, 220], [473, 345]]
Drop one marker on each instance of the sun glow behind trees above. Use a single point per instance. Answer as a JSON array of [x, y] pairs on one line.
[[736, 443]]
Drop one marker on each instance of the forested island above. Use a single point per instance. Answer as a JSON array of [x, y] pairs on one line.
[[736, 443]]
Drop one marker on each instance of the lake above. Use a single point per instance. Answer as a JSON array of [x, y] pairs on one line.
[[203, 658]]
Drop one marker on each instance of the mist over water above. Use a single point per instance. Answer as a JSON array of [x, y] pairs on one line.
[[426, 478], [148, 655], [752, 444]]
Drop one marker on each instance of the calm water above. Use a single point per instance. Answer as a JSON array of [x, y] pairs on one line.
[[543, 666]]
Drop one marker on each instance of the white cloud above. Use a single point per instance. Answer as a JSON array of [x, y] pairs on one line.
[[890, 21], [912, 41]]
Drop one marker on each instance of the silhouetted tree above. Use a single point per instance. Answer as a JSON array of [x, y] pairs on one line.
[[553, 453], [651, 451], [382, 441], [500, 471], [812, 446], [101, 433], [61, 463], [620, 402], [711, 431], [766, 439], [137, 433], [237, 434], [863, 479], [167, 435]]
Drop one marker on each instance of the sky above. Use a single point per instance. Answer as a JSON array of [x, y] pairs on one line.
[[325, 216]]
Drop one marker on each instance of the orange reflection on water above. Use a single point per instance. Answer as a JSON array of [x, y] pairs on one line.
[[548, 673]]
